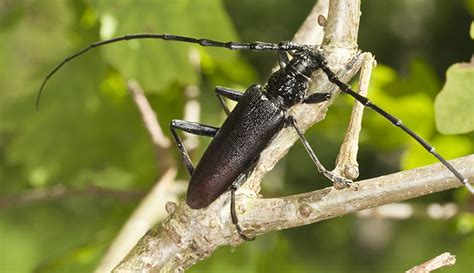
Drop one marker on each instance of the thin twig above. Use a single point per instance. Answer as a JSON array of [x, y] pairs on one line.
[[150, 211], [59, 192], [346, 162], [192, 108], [148, 115], [158, 138], [152, 208], [192, 112], [442, 260]]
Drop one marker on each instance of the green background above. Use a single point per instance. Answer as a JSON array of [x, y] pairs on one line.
[[88, 133]]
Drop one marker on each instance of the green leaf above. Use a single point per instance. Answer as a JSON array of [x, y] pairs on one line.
[[471, 32], [454, 105]]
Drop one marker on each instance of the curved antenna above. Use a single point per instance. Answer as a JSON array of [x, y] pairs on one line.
[[346, 89], [254, 46]]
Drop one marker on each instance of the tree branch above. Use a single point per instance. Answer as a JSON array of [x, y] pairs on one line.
[[59, 192], [188, 235], [310, 33], [151, 209], [263, 215], [403, 211], [346, 161], [150, 120], [442, 260], [148, 115], [172, 247]]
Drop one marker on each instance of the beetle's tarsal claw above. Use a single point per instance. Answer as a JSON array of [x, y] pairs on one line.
[[340, 183], [242, 235]]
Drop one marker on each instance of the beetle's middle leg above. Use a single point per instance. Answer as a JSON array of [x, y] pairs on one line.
[[228, 93], [336, 179], [192, 128], [283, 59]]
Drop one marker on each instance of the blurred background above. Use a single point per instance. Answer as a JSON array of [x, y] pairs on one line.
[[72, 173]]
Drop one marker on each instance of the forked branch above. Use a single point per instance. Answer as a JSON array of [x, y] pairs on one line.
[[188, 236], [175, 248]]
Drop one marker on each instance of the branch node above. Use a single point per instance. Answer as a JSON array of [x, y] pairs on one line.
[[171, 207]]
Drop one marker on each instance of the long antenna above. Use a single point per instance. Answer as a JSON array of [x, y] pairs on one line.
[[254, 46], [346, 89]]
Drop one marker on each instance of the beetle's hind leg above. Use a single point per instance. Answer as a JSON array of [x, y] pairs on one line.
[[233, 188], [192, 128], [233, 213]]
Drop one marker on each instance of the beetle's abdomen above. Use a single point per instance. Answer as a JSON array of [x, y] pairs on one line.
[[243, 136]]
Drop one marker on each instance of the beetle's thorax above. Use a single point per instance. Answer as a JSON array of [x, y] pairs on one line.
[[288, 85]]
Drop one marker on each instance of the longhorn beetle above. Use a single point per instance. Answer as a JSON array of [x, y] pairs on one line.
[[261, 112]]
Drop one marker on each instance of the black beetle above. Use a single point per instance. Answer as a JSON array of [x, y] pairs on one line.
[[261, 112]]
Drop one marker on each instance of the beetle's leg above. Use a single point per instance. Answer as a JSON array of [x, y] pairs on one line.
[[336, 179], [317, 98], [283, 59], [233, 213], [228, 93], [192, 128], [233, 188]]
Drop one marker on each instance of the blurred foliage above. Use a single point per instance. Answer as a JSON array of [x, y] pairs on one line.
[[88, 132], [456, 97]]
